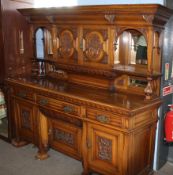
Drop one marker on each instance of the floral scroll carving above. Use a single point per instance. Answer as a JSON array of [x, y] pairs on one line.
[[63, 136], [26, 120], [94, 46], [67, 44], [104, 149]]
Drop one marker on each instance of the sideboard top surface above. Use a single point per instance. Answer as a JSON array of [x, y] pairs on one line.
[[130, 103]]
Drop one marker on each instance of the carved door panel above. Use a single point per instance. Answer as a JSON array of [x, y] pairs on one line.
[[65, 138], [67, 38], [25, 116], [105, 149], [94, 45]]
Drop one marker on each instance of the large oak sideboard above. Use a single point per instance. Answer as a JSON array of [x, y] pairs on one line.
[[94, 89], [111, 133]]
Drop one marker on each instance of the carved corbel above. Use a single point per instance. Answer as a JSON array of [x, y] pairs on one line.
[[28, 19], [110, 18], [50, 19], [148, 18]]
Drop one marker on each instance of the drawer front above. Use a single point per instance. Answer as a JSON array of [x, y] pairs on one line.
[[104, 117], [24, 93], [61, 106]]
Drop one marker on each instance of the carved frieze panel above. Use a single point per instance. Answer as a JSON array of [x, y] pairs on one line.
[[95, 46], [66, 43], [63, 136], [60, 116], [104, 149], [120, 30], [26, 118]]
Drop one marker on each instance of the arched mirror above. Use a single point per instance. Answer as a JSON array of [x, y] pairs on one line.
[[43, 43], [130, 48], [39, 35]]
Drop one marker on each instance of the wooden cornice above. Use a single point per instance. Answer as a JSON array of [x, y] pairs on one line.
[[150, 13]]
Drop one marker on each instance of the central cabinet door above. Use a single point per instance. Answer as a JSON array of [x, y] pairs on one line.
[[65, 137], [105, 150]]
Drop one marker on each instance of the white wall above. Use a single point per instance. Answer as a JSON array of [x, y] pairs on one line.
[[91, 2], [58, 3]]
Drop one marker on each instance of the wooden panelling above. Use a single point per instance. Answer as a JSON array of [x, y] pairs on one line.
[[12, 25]]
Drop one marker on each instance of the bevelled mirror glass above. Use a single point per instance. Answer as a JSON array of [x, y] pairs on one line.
[[43, 43], [130, 48]]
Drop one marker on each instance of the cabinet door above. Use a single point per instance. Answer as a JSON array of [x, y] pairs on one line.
[[25, 117], [65, 138], [105, 150]]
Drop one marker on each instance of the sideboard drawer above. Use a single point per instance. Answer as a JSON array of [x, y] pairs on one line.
[[104, 117], [61, 106], [23, 93]]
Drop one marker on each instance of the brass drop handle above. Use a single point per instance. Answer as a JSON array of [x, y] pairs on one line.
[[43, 102], [102, 118], [22, 94], [68, 109]]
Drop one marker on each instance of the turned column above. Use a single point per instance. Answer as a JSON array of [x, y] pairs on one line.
[[43, 137]]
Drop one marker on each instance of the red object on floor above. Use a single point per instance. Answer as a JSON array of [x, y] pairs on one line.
[[169, 125]]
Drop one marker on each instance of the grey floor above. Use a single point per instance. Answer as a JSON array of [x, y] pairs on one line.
[[21, 161], [167, 169]]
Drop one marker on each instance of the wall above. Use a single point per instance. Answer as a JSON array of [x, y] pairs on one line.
[[53, 3], [91, 2], [169, 3], [163, 151]]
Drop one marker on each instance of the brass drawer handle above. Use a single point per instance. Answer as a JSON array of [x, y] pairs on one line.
[[22, 94], [68, 109], [43, 102], [102, 119]]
